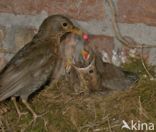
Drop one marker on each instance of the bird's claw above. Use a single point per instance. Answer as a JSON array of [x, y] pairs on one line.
[[35, 117], [20, 114]]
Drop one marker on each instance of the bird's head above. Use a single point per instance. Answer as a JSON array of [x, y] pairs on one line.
[[58, 25], [88, 74]]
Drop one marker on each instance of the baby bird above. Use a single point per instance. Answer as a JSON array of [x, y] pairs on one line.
[[100, 75]]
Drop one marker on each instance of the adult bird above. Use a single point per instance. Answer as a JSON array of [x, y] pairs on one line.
[[36, 62]]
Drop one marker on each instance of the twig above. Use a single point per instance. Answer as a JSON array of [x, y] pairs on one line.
[[141, 109], [94, 124], [109, 124], [118, 33], [104, 129], [95, 114], [144, 66], [124, 41]]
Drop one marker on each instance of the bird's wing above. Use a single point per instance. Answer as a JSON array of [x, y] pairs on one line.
[[21, 71], [106, 69], [115, 78], [112, 76]]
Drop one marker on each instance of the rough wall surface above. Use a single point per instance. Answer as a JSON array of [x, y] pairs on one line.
[[20, 19]]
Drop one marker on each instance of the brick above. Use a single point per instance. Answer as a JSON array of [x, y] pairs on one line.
[[137, 11], [23, 36], [80, 9]]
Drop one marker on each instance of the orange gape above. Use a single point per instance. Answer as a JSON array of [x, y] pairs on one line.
[[85, 55]]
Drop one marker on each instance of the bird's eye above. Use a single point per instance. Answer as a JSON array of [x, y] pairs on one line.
[[65, 24], [91, 71]]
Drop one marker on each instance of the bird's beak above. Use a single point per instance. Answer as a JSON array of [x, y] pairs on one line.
[[76, 30]]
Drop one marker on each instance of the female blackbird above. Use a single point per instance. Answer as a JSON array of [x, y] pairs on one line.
[[36, 62]]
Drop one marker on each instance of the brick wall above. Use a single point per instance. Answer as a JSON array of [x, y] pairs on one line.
[[20, 19]]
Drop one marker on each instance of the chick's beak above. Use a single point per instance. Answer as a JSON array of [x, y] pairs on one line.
[[76, 30]]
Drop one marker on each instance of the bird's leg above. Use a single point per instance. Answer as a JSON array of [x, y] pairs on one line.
[[30, 109], [17, 108], [35, 116]]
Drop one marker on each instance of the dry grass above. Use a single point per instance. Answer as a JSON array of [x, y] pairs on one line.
[[95, 112]]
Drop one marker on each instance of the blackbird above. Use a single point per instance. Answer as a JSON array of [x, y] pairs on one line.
[[33, 65]]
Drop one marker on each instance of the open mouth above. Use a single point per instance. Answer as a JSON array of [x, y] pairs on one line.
[[84, 61], [85, 54]]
